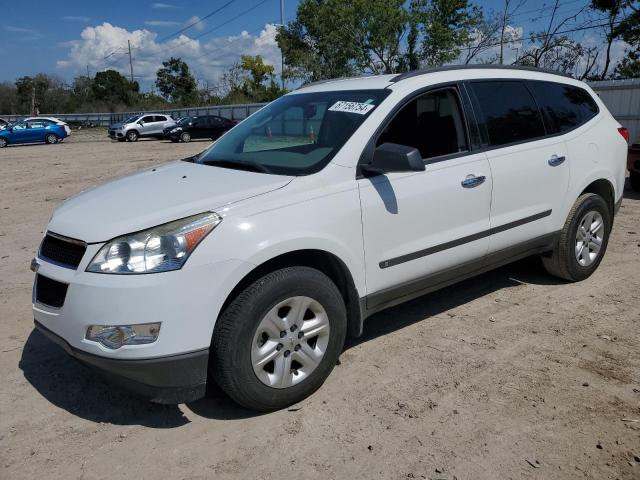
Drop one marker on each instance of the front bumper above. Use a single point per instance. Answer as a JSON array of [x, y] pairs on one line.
[[169, 380]]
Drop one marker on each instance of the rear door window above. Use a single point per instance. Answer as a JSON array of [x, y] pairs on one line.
[[508, 111], [566, 106]]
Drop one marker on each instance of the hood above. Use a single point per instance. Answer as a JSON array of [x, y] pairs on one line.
[[156, 196]]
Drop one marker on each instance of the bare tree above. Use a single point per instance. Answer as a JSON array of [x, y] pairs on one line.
[[548, 46], [484, 37]]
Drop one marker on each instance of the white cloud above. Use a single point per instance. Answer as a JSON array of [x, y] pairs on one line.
[[196, 22], [25, 34], [74, 18], [164, 5], [208, 58], [161, 23]]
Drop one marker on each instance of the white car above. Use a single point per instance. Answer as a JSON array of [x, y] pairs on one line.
[[250, 263], [55, 120], [146, 125]]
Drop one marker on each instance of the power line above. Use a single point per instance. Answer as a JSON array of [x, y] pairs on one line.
[[217, 27], [535, 37], [219, 9]]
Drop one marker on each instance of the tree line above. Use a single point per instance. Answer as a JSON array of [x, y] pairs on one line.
[[249, 80], [338, 38]]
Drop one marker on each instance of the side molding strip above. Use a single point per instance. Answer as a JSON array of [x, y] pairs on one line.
[[461, 241]]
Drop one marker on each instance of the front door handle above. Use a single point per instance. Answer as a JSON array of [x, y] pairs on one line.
[[555, 160], [472, 181]]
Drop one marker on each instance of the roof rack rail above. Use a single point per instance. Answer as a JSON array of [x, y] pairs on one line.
[[415, 73]]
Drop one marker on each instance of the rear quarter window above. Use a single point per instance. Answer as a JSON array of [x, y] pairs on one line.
[[508, 111], [566, 106]]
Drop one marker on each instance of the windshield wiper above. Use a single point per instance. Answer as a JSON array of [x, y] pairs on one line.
[[240, 164]]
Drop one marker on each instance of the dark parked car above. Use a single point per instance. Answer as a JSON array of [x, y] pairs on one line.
[[205, 126]]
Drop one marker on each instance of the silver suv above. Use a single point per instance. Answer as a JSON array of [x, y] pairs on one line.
[[140, 126]]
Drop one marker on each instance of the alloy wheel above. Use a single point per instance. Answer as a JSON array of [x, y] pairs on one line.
[[290, 342], [589, 238]]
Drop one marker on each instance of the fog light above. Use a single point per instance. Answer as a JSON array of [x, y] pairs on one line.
[[115, 336]]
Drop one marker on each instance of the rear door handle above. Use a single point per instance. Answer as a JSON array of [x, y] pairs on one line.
[[472, 181], [555, 160]]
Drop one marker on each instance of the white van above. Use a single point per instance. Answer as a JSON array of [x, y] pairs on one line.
[[250, 263]]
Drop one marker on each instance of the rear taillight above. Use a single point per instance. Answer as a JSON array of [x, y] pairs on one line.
[[625, 133]]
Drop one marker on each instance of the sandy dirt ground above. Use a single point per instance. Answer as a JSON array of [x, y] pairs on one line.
[[513, 374]]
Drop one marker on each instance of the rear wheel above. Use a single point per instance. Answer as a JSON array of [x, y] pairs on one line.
[[634, 180], [51, 138], [278, 340], [132, 136], [583, 239], [185, 137]]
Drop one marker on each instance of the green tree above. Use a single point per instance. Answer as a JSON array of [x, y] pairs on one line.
[[446, 25], [31, 92], [251, 80], [176, 83], [113, 89]]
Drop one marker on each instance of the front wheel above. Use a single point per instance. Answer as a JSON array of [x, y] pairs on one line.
[[634, 180], [278, 340], [185, 137], [583, 239], [132, 136], [3, 142], [51, 139]]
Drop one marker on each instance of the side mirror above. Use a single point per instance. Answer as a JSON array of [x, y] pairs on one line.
[[391, 157], [140, 122]]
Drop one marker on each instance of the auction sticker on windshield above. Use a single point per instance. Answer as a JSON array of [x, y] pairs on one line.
[[351, 107]]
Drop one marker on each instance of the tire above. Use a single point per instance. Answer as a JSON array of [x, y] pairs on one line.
[[3, 142], [563, 261], [132, 136], [243, 325], [634, 180], [185, 137], [51, 138]]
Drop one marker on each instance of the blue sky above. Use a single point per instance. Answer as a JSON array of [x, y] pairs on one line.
[[66, 37]]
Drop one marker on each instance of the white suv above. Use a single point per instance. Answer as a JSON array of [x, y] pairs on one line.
[[251, 262]]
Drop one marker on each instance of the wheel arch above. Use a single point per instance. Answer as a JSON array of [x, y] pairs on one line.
[[605, 189], [322, 260]]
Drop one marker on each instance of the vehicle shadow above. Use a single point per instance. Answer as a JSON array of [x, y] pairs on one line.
[[70, 385], [527, 271]]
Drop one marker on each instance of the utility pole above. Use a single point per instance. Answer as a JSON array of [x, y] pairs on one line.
[[281, 52], [130, 60]]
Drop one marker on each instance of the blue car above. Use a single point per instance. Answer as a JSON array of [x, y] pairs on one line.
[[34, 130]]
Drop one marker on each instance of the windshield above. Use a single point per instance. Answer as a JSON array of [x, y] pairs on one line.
[[132, 119], [184, 121], [295, 135]]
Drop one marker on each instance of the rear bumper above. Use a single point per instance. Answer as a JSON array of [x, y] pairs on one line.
[[169, 380]]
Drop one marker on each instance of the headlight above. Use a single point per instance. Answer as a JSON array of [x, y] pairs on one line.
[[176, 129], [116, 336], [159, 249]]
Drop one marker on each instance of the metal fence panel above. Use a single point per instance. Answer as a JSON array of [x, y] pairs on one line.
[[234, 112], [622, 98]]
